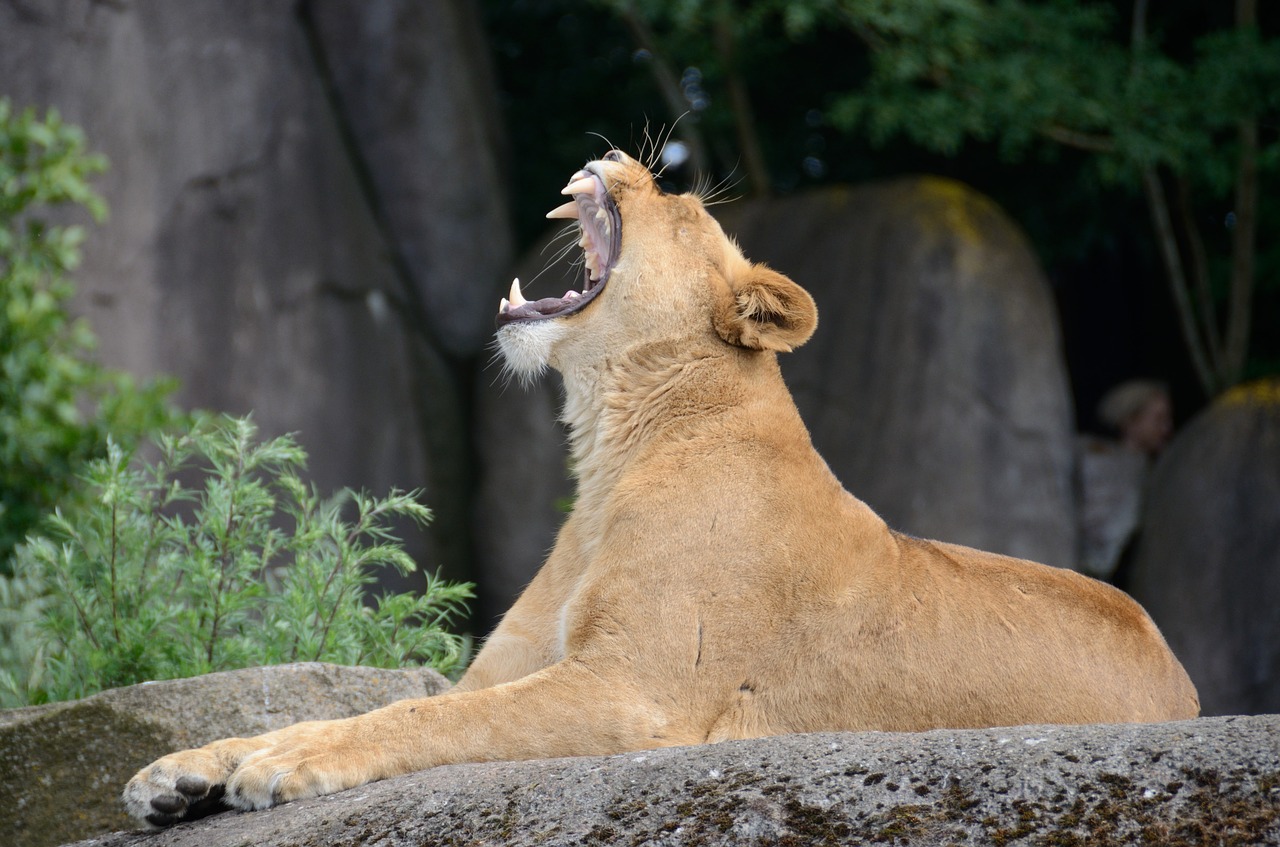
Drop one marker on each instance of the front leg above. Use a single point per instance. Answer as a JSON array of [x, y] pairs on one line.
[[568, 709]]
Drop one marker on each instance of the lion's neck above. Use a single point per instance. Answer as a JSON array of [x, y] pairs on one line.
[[618, 406]]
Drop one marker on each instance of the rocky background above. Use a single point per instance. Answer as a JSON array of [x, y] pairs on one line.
[[311, 221]]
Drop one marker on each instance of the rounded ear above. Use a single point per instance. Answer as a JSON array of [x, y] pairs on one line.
[[767, 311]]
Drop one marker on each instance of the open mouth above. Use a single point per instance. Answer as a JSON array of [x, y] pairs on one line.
[[600, 237]]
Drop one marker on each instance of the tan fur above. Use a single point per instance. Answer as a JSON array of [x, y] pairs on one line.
[[715, 581]]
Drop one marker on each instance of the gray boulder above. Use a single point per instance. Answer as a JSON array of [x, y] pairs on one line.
[[935, 385], [280, 241], [1207, 565], [88, 749], [414, 84], [1207, 781]]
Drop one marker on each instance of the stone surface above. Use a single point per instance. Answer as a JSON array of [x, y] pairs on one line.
[[934, 387], [88, 749], [278, 240], [414, 80], [1207, 565], [1208, 781]]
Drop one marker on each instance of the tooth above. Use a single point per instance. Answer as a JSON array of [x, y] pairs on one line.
[[517, 299], [504, 306], [571, 295], [601, 217], [586, 185], [568, 210]]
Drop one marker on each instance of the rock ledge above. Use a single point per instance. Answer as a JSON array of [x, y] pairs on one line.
[[1211, 780]]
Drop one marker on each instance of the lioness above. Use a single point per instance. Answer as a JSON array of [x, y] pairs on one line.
[[714, 581]]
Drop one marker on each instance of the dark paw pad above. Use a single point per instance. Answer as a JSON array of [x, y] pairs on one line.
[[169, 804], [196, 801], [192, 786]]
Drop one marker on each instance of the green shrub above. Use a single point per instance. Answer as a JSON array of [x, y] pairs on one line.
[[214, 556], [56, 404]]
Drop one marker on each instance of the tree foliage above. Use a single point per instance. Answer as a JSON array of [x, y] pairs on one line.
[[1183, 113], [57, 405]]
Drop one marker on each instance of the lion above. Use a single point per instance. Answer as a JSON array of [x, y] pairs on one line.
[[714, 580]]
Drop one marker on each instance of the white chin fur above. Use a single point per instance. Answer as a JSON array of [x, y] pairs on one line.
[[526, 346]]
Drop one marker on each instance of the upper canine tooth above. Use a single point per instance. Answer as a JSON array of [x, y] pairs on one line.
[[586, 185], [568, 210], [517, 299]]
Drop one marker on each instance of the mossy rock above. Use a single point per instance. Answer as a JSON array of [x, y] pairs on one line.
[[1207, 565], [63, 766]]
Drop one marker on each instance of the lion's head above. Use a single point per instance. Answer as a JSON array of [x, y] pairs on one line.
[[657, 267]]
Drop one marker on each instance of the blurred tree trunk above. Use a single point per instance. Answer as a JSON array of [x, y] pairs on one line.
[[743, 115], [1218, 356], [668, 82], [1244, 236]]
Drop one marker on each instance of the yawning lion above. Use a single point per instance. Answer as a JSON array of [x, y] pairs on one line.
[[714, 580]]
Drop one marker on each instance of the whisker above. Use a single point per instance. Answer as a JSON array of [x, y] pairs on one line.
[[719, 194], [713, 195], [567, 231], [671, 130], [556, 259], [654, 143], [602, 138]]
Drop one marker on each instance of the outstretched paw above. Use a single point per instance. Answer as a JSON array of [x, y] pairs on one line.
[[182, 786], [302, 760]]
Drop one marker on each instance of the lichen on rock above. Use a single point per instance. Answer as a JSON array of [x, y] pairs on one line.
[[1206, 781]]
